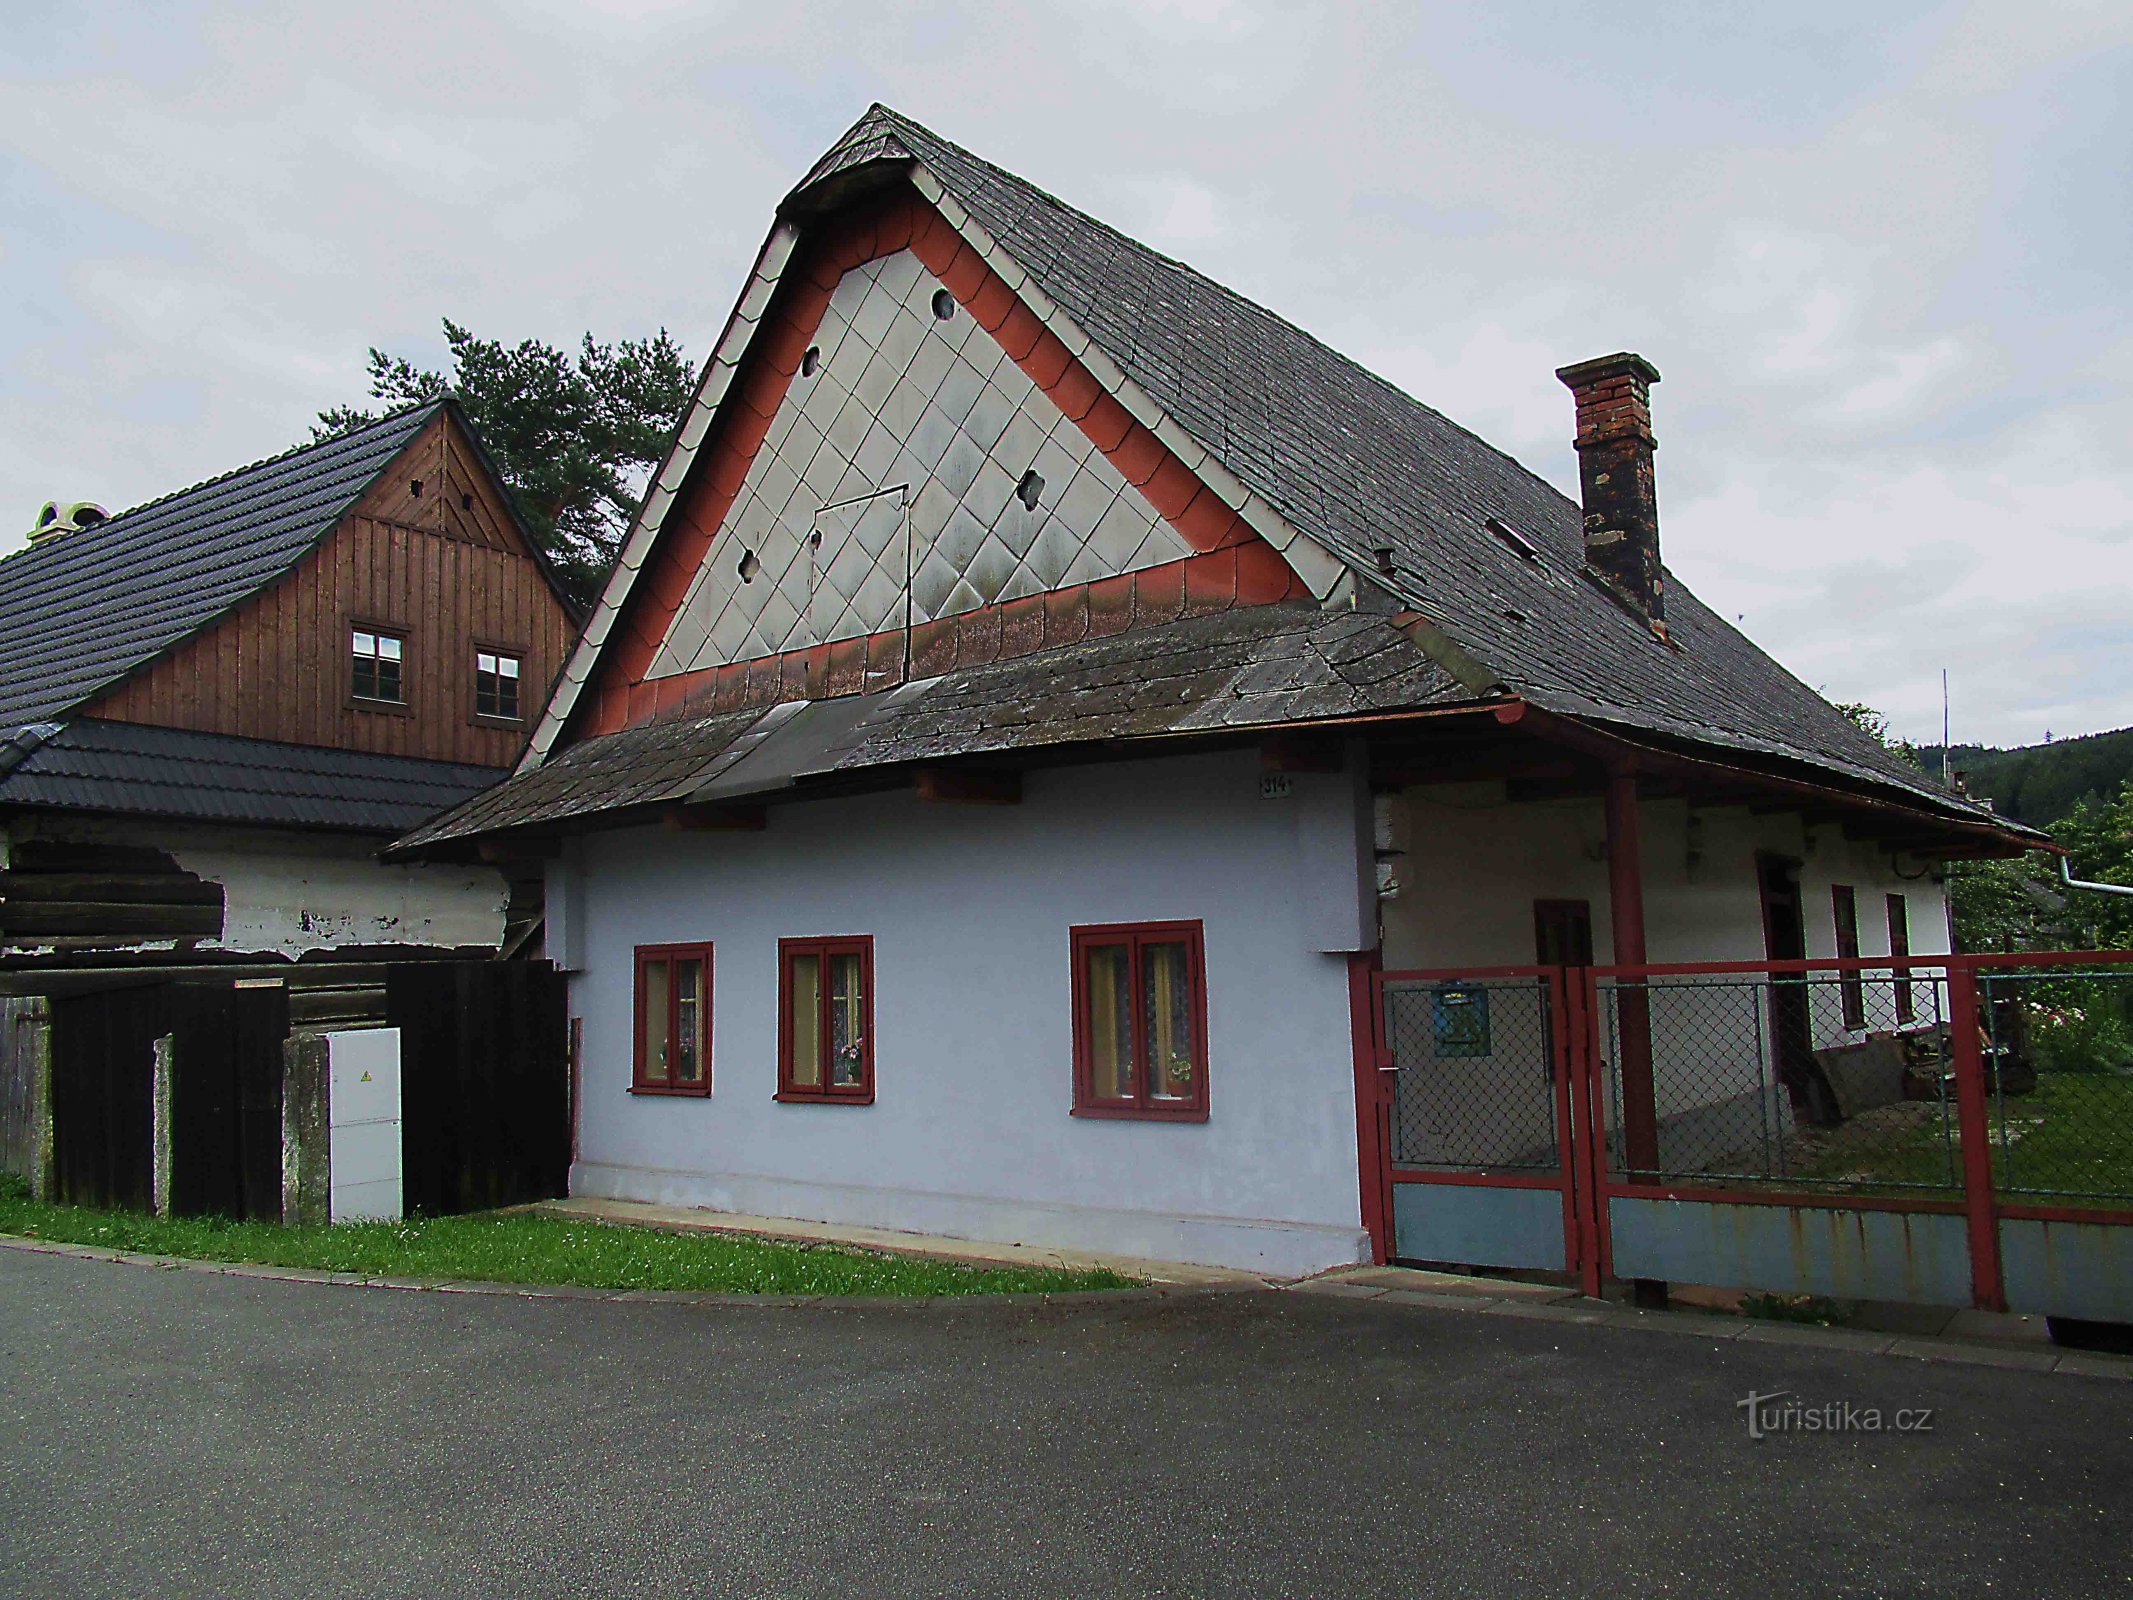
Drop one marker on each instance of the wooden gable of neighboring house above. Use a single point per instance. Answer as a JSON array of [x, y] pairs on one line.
[[430, 553]]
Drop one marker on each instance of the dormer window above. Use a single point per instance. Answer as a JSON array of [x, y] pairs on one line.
[[496, 675], [376, 662]]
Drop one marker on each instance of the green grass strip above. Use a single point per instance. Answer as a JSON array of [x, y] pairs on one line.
[[539, 1250]]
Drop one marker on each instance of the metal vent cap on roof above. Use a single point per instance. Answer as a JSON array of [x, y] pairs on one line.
[[56, 517]]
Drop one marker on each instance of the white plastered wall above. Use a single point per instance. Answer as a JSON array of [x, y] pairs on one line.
[[1473, 866], [969, 909]]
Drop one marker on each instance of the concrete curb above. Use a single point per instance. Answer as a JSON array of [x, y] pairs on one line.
[[1572, 1308], [1065, 1299]]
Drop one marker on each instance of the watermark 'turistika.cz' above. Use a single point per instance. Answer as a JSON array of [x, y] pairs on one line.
[[1782, 1411]]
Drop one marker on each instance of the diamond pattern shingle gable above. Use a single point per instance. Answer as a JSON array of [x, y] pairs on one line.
[[81, 611], [1356, 465]]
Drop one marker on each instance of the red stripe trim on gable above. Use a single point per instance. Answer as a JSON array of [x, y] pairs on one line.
[[1234, 567]]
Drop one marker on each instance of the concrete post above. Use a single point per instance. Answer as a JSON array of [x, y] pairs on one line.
[[306, 1151], [34, 1039], [166, 1049]]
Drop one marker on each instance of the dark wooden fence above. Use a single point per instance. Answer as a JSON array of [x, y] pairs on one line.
[[225, 1100], [484, 1072], [484, 1083], [19, 1084], [103, 1094]]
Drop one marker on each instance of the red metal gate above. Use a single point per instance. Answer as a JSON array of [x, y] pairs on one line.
[[1942, 1129]]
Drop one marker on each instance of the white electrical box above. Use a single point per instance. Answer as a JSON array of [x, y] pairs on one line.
[[363, 1118]]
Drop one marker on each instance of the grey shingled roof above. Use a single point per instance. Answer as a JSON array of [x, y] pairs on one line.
[[81, 611], [132, 769], [1355, 465], [1262, 666]]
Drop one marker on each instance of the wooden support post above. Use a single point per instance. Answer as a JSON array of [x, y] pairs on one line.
[[1633, 1013], [33, 1041], [306, 1132], [166, 1052]]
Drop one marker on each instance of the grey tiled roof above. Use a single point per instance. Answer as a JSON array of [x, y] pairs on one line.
[[1356, 465], [1262, 666], [133, 769], [81, 611]]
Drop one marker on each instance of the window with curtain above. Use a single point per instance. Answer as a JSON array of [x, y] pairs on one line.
[[673, 1054], [1140, 1021], [826, 1019]]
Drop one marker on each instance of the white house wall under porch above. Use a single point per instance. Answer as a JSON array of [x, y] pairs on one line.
[[972, 1129]]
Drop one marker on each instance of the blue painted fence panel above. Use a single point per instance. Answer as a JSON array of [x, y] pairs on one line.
[[1868, 1255], [1478, 1225], [2068, 1269]]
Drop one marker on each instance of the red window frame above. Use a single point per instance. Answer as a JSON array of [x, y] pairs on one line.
[[642, 1079], [1140, 1105], [1899, 913], [1844, 911], [826, 1093]]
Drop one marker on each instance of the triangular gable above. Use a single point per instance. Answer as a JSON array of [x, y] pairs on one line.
[[678, 631]]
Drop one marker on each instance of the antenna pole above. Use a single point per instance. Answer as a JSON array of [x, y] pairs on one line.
[[1947, 775]]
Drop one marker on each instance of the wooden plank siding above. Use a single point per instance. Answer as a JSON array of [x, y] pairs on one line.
[[446, 568]]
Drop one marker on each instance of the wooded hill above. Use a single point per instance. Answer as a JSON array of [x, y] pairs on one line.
[[2040, 783]]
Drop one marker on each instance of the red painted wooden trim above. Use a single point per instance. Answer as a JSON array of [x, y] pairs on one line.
[[1215, 579], [1373, 1098], [641, 1082], [1974, 1129], [1825, 964], [861, 1093], [1133, 935]]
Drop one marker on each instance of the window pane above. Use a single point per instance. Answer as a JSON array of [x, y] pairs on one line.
[[804, 1017], [688, 1021], [507, 665], [388, 647], [365, 644], [507, 697], [484, 662], [485, 694], [1166, 983], [389, 676], [1110, 1021], [366, 678], [847, 1021], [655, 1021]]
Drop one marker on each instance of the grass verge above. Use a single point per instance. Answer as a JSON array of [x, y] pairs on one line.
[[537, 1250]]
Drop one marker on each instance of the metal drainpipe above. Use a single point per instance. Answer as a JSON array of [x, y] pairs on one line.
[[2066, 876]]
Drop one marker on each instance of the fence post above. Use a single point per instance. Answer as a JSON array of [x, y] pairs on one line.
[[34, 1039], [1973, 1121], [165, 1049], [306, 1181]]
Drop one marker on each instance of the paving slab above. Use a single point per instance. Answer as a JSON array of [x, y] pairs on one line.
[[1807, 1333], [1979, 1355]]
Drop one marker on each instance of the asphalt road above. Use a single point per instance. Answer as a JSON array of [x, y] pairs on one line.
[[177, 1433]]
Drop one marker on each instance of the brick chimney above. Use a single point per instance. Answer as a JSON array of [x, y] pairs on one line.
[[1615, 446]]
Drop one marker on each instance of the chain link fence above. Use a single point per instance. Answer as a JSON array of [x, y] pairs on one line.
[[1815, 1080], [2058, 1049], [1475, 1074]]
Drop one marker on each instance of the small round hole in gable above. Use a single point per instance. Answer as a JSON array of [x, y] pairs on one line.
[[810, 361], [751, 564], [1029, 489], [943, 304]]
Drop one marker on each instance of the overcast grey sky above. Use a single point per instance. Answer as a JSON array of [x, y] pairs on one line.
[[1880, 252]]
